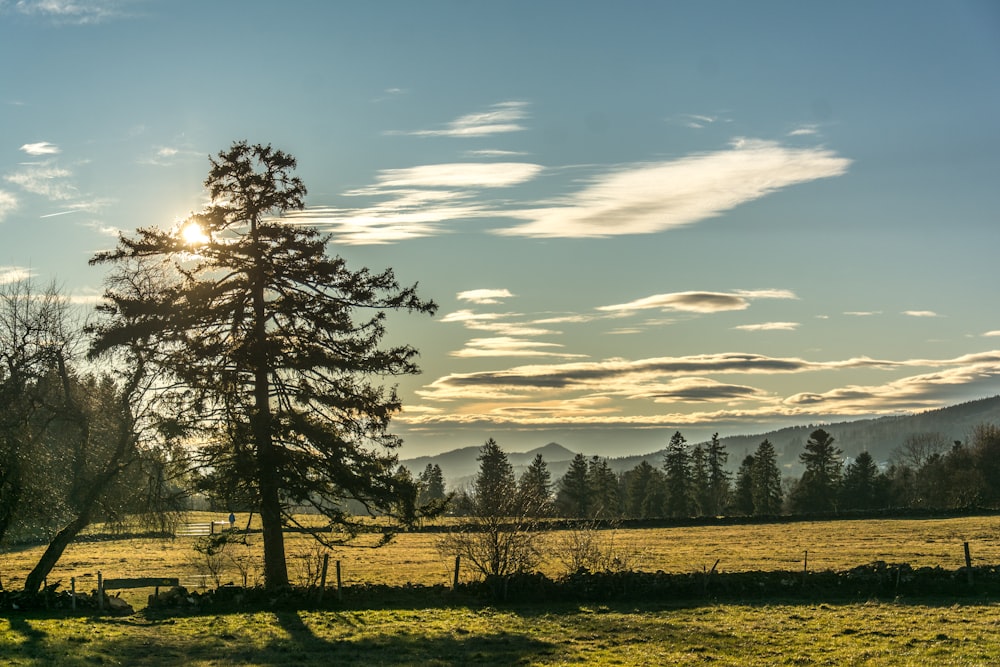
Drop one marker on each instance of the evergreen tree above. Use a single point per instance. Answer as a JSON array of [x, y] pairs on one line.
[[603, 485], [766, 481], [701, 490], [573, 496], [494, 487], [718, 477], [742, 499], [431, 482], [863, 485], [677, 466], [535, 487], [275, 346], [645, 492], [500, 537], [818, 488]]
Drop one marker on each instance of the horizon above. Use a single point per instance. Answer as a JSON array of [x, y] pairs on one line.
[[636, 219]]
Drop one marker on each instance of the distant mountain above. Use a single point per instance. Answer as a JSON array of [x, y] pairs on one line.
[[878, 436]]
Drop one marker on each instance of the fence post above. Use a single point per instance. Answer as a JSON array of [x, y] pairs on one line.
[[322, 578], [968, 563], [100, 591], [72, 592], [340, 592], [805, 566], [458, 564]]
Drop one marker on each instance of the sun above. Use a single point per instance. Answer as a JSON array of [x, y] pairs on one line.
[[193, 234]]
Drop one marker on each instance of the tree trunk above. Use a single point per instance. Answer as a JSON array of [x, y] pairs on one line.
[[54, 552], [275, 568]]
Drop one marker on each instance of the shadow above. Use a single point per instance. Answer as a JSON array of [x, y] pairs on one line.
[[149, 643], [33, 636]]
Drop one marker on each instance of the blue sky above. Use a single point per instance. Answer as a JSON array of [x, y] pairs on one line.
[[637, 217]]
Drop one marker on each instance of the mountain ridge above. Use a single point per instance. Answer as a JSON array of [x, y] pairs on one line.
[[879, 436]]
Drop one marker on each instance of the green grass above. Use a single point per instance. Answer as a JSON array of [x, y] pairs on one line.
[[439, 632], [778, 634]]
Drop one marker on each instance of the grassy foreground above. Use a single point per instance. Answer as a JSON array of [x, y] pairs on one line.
[[441, 631], [779, 634]]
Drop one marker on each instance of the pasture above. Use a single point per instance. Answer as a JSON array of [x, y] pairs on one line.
[[440, 631]]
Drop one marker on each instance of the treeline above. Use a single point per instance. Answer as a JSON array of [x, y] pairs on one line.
[[926, 472]]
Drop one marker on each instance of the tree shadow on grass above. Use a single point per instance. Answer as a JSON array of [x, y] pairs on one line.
[[148, 643]]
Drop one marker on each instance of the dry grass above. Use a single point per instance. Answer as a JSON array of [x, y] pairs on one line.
[[414, 557]]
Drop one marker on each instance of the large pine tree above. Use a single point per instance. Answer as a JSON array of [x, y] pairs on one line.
[[276, 346]]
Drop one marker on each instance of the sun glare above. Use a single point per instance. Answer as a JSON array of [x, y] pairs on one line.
[[193, 234]]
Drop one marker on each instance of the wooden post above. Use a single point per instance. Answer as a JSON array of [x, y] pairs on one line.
[[100, 591], [968, 563], [72, 592], [340, 593], [805, 566], [458, 564], [322, 577]]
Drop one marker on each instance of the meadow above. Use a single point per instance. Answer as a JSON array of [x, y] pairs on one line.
[[447, 631]]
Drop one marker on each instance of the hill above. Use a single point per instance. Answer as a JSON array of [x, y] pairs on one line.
[[878, 436]]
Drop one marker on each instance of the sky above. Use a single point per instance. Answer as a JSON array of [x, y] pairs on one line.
[[636, 217]]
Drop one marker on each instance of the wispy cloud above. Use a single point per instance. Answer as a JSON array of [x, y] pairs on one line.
[[8, 203], [14, 274], [40, 148], [44, 179], [769, 326], [484, 296], [862, 313], [498, 119], [920, 313], [79, 12], [649, 198], [508, 346], [166, 156], [995, 332], [808, 130], [514, 395], [495, 153], [417, 201], [458, 174], [698, 302]]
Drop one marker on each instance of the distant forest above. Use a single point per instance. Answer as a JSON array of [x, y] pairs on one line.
[[918, 464]]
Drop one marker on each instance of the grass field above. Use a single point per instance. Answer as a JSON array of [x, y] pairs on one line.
[[822, 634], [414, 558], [442, 632]]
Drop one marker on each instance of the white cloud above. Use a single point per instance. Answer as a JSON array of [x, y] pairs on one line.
[[460, 174], [484, 296], [551, 394], [862, 313], [992, 333], [699, 302], [508, 346], [79, 12], [649, 198], [45, 180], [500, 118], [808, 130], [920, 313], [40, 148], [769, 326], [14, 274], [495, 153], [8, 203]]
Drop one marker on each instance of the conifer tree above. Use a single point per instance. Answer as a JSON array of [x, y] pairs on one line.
[[677, 466], [275, 346]]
